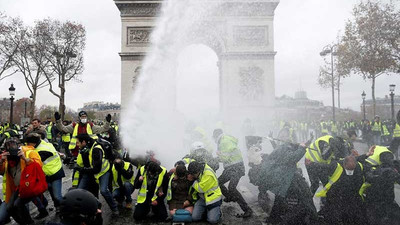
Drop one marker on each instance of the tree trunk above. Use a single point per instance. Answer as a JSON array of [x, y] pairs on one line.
[[62, 98], [32, 106], [373, 96], [338, 92]]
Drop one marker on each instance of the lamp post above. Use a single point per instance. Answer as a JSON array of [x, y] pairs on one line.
[[12, 93], [329, 49], [363, 98], [391, 89]]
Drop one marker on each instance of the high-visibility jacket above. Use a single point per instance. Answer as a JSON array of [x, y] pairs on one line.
[[396, 131], [375, 159], [314, 154], [169, 192], [72, 143], [11, 133], [143, 189], [334, 128], [324, 130], [66, 138], [48, 131], [1, 129], [115, 184], [207, 185], [385, 131], [333, 179], [376, 127], [105, 165], [229, 152], [52, 164]]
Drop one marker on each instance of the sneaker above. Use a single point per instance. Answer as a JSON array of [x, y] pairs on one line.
[[42, 215], [128, 205]]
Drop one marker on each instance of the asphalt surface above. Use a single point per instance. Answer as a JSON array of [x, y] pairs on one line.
[[229, 210]]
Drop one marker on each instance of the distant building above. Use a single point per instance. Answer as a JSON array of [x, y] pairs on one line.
[[302, 108], [5, 105], [101, 109], [383, 107]]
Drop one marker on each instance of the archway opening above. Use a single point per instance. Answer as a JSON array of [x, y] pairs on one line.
[[197, 82]]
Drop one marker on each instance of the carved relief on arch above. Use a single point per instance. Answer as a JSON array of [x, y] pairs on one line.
[[251, 80]]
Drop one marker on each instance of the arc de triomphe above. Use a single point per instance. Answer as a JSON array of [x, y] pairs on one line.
[[245, 49]]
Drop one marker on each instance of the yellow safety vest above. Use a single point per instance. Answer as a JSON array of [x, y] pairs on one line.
[[324, 130], [52, 164], [143, 189], [207, 184], [333, 179], [66, 138], [374, 159], [72, 144], [229, 152], [115, 184], [376, 127], [169, 192], [105, 165], [313, 153], [385, 131], [396, 131], [48, 131]]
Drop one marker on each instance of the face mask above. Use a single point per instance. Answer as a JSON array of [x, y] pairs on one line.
[[83, 120], [349, 172]]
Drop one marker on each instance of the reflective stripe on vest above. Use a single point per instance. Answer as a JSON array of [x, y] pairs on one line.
[[169, 192], [105, 165], [52, 164], [374, 159], [396, 131], [313, 153], [89, 131], [143, 189], [115, 184]]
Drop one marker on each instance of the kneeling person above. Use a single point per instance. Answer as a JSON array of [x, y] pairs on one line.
[[122, 182]]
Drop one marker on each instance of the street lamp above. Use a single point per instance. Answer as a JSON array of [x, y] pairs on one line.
[[363, 98], [329, 49], [391, 89], [12, 93]]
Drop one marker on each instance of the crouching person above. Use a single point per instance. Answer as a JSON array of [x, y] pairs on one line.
[[122, 182], [12, 164], [151, 181], [178, 195], [209, 192]]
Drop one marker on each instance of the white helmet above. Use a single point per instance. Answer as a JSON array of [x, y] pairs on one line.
[[197, 145]]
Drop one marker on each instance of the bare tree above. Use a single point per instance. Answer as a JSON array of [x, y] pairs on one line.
[[365, 47], [7, 48], [66, 42], [28, 58]]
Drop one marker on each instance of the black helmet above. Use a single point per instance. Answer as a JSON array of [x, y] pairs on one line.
[[81, 113], [33, 138], [78, 205]]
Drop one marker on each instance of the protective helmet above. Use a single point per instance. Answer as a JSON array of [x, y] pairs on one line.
[[81, 113], [33, 138], [78, 205], [197, 145], [377, 116]]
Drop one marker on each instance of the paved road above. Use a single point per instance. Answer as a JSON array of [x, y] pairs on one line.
[[229, 210]]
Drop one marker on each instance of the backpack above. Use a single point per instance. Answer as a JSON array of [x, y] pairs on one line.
[[182, 215], [107, 147], [33, 181]]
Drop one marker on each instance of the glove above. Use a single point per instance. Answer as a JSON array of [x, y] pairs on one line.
[[78, 168], [108, 118], [57, 116]]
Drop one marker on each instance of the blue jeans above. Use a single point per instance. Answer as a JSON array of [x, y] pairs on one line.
[[377, 139], [55, 188], [125, 191], [103, 182], [200, 211], [3, 213]]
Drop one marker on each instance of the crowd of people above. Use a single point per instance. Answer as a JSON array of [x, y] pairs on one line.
[[356, 188]]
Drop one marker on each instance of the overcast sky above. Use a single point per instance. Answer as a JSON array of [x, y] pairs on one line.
[[302, 29]]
